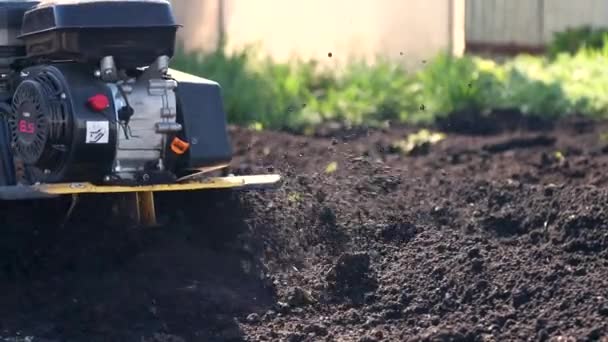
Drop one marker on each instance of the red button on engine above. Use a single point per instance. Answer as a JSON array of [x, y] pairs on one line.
[[99, 102]]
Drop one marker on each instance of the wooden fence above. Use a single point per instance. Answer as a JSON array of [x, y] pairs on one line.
[[404, 30], [527, 25]]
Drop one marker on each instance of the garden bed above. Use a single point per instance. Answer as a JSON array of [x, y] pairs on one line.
[[501, 236]]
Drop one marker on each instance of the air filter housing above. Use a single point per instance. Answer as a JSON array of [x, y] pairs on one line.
[[134, 32]]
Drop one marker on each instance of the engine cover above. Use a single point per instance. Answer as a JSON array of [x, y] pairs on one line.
[[134, 32], [69, 123], [50, 123]]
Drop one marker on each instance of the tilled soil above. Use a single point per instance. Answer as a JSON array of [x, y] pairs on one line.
[[497, 237]]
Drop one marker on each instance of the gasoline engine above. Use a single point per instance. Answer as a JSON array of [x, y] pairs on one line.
[[88, 95]]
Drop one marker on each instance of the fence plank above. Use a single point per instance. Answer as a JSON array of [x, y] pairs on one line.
[[529, 22]]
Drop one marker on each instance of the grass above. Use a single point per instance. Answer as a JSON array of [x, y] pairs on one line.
[[265, 94]]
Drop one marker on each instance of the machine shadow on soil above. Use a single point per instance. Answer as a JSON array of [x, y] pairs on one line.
[[193, 274]]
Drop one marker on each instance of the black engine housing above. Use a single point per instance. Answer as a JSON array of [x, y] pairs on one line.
[[200, 111], [48, 124], [59, 61]]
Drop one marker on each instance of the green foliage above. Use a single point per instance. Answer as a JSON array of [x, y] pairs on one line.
[[529, 89], [366, 95], [260, 93], [256, 91], [300, 94], [572, 40], [450, 84], [569, 84]]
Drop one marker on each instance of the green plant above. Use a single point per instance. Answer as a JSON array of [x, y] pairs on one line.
[[451, 84], [364, 94], [261, 93], [255, 90], [573, 39], [568, 84]]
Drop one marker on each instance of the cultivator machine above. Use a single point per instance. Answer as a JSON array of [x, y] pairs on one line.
[[90, 105]]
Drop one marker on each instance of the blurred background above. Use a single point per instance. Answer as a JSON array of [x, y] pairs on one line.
[[311, 29], [293, 64]]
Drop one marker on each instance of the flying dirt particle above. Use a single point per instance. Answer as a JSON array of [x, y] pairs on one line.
[[330, 55], [422, 107], [424, 61], [304, 105], [401, 53], [470, 85]]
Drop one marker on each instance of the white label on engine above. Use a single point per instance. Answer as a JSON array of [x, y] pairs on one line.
[[98, 132]]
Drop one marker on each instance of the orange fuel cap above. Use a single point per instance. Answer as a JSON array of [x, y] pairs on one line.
[[178, 146]]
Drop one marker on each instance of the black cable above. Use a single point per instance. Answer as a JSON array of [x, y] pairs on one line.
[[125, 121], [124, 124]]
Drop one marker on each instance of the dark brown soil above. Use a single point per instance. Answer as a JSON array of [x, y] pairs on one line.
[[478, 238]]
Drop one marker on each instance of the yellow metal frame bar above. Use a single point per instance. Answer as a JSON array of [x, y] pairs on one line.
[[137, 201], [231, 182]]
